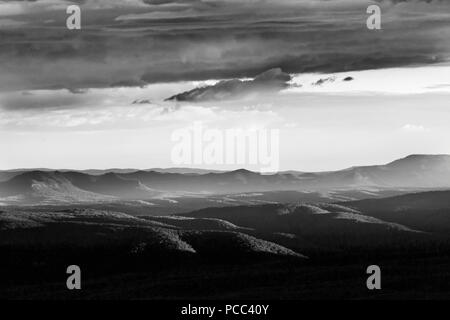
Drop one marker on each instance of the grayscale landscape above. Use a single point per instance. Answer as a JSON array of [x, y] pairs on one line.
[[225, 149]]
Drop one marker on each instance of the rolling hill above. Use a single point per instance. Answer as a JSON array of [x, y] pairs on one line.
[[307, 245], [93, 228]]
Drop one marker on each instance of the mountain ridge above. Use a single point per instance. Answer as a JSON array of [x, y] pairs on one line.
[[414, 172]]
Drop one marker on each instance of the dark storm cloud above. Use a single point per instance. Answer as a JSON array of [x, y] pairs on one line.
[[269, 81], [134, 42], [129, 83]]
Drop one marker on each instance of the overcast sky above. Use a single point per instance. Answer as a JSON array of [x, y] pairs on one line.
[[66, 97]]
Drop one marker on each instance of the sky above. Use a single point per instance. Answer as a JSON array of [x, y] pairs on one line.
[[96, 97]]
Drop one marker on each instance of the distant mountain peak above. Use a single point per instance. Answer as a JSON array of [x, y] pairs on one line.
[[422, 157], [243, 171], [427, 156]]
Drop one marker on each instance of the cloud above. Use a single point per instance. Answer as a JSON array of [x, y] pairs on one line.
[[43, 100], [134, 43], [269, 81], [390, 81], [414, 128], [129, 83], [10, 23]]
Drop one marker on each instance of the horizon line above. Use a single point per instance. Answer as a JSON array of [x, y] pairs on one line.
[[211, 170]]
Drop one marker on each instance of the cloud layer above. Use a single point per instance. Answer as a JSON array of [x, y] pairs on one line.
[[134, 42]]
